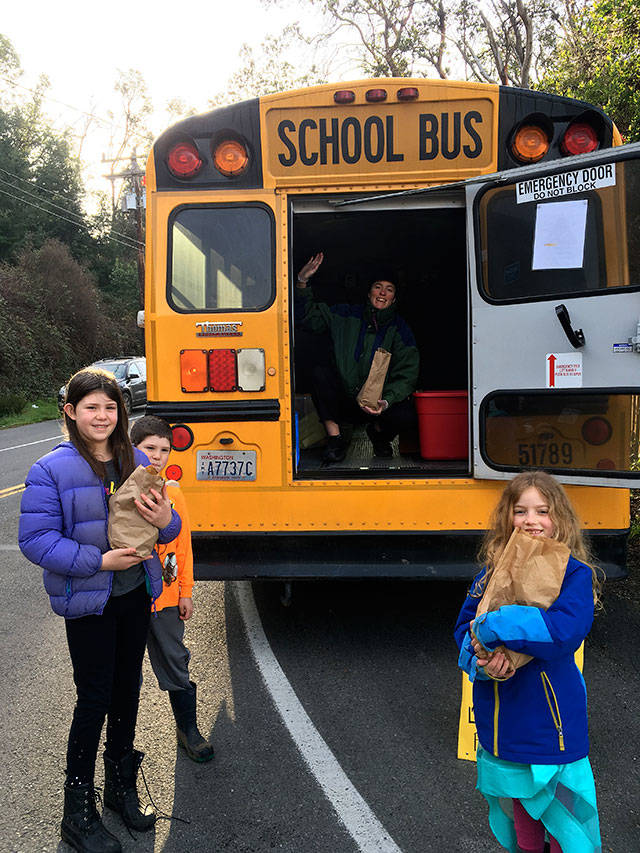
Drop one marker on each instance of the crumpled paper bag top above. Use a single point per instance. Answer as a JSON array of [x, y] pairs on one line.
[[127, 528], [530, 571]]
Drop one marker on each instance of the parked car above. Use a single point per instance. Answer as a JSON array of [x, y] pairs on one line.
[[131, 376]]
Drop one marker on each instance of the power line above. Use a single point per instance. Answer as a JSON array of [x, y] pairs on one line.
[[59, 216], [71, 107], [81, 221]]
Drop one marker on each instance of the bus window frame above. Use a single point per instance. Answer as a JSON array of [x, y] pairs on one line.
[[557, 471], [509, 178], [217, 205], [565, 294]]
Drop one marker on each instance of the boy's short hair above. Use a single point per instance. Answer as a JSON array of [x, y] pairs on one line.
[[150, 425]]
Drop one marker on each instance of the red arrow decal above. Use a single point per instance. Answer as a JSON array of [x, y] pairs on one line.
[[552, 370]]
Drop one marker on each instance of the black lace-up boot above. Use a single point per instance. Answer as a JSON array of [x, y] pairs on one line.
[[121, 793], [81, 825]]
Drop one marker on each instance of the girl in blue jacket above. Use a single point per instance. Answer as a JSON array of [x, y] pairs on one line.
[[104, 595], [532, 759]]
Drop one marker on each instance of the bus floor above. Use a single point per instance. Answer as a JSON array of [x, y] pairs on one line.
[[360, 459]]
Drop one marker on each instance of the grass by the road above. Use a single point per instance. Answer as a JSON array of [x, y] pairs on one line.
[[33, 413]]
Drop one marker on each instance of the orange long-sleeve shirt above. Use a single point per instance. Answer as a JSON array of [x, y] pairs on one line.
[[182, 587]]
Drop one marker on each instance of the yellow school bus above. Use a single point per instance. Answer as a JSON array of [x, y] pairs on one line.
[[508, 219]]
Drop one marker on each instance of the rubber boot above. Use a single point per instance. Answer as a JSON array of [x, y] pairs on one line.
[[183, 704], [121, 793], [81, 825]]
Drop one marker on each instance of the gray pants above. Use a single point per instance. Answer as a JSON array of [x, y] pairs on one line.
[[168, 654]]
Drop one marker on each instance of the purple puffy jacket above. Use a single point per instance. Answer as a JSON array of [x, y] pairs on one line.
[[63, 529]]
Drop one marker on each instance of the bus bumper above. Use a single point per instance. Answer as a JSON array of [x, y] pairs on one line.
[[449, 556]]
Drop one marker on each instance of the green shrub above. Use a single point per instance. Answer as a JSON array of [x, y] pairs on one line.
[[11, 404]]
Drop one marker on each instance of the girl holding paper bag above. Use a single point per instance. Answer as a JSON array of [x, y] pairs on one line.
[[103, 593], [531, 712], [370, 341]]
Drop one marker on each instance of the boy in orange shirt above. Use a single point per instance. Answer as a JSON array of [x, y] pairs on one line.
[[168, 655]]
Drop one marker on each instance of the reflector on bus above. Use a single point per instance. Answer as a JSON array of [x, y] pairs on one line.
[[222, 370], [181, 437], [251, 370], [193, 370], [173, 472]]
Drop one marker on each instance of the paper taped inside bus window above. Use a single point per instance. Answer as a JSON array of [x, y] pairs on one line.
[[558, 242]]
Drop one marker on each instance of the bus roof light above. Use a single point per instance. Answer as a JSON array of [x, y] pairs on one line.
[[407, 93], [251, 370], [181, 437], [375, 95], [173, 472], [184, 160], [530, 143], [231, 157], [222, 370], [344, 96], [579, 138], [193, 370]]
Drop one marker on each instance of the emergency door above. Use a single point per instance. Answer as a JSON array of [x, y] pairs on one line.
[[554, 270]]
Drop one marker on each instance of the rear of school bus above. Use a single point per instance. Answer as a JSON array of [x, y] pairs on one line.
[[237, 201]]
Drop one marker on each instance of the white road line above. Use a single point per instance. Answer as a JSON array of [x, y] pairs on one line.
[[358, 819], [29, 443]]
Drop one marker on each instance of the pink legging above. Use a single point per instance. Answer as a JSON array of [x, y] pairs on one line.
[[530, 832]]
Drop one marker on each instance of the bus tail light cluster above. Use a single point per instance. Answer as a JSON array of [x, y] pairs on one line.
[[222, 370], [532, 138]]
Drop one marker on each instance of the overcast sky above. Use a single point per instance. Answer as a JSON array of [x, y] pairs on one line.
[[185, 49]]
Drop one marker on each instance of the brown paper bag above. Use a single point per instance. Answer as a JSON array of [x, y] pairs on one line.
[[529, 571], [127, 528], [371, 391]]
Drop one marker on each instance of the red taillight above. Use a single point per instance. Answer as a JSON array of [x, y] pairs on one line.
[[579, 138], [181, 437], [596, 431], [374, 95], [222, 370], [184, 161], [173, 472], [408, 93], [606, 465], [530, 143], [344, 96]]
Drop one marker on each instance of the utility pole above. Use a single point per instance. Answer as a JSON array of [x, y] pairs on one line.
[[135, 175]]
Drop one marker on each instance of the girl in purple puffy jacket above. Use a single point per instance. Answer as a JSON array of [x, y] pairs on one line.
[[104, 594]]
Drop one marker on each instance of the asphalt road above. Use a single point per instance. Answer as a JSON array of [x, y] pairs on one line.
[[371, 663]]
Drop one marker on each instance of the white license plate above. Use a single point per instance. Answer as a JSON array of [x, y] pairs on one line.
[[226, 465]]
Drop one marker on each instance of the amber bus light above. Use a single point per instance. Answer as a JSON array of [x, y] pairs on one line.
[[230, 157], [530, 143]]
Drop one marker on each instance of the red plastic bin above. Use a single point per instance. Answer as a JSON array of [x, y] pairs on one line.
[[443, 422]]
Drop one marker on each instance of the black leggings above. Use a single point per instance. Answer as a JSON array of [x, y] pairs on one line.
[[106, 653], [333, 404]]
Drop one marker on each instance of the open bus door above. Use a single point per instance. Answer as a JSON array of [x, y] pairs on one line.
[[554, 257]]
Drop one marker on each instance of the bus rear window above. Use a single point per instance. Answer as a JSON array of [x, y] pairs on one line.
[[220, 258], [540, 239]]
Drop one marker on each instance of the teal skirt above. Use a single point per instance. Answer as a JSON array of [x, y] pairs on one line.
[[562, 796]]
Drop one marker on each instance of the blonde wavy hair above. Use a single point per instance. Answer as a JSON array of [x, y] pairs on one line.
[[561, 512]]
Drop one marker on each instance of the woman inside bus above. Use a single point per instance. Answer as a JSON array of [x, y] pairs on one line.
[[356, 332]]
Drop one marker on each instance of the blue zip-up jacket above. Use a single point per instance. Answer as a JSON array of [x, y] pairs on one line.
[[539, 715], [63, 529]]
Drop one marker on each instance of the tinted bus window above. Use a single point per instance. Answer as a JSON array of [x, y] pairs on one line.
[[541, 239], [220, 258]]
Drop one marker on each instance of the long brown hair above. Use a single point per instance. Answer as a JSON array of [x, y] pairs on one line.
[[561, 512], [84, 382]]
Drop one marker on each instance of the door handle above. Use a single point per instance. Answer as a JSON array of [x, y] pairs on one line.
[[576, 336]]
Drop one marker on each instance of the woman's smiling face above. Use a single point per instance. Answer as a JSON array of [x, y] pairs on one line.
[[382, 294]]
